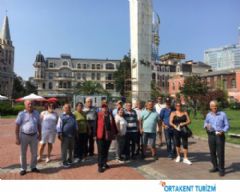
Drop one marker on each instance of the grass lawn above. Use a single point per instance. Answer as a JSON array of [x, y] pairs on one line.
[[8, 117], [234, 120]]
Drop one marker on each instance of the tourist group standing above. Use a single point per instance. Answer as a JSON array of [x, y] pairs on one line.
[[134, 128]]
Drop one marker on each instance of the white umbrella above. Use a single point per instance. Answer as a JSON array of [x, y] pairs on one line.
[[3, 97], [33, 96]]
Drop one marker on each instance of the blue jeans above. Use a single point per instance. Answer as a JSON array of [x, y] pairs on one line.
[[169, 137]]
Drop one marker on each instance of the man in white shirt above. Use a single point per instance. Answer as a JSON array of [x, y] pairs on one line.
[[158, 107], [28, 132]]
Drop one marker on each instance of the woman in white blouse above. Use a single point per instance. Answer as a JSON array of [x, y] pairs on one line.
[[49, 120], [121, 124]]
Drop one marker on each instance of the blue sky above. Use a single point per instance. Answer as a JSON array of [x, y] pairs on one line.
[[100, 28]]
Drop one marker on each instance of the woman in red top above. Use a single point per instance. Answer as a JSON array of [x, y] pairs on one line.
[[106, 132]]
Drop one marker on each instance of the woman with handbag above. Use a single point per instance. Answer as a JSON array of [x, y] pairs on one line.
[[106, 132], [179, 120]]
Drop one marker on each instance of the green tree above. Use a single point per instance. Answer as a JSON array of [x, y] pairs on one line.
[[90, 88], [122, 77], [192, 89], [18, 87], [30, 88]]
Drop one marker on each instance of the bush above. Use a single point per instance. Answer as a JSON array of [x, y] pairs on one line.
[[7, 109], [234, 105]]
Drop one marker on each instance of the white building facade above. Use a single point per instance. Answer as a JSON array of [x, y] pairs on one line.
[[226, 57], [58, 77]]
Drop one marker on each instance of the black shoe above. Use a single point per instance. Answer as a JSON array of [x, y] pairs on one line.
[[22, 172], [100, 169], [155, 157], [143, 156], [106, 166], [221, 173], [35, 170], [213, 170]]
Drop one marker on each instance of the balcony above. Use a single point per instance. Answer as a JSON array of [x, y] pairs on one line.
[[64, 78]]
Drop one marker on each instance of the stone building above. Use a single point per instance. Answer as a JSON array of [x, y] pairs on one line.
[[58, 76], [6, 60]]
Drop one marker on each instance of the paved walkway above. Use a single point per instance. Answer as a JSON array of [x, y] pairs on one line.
[[164, 168]]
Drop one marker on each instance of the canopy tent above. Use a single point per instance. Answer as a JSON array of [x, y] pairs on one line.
[[3, 97], [32, 97]]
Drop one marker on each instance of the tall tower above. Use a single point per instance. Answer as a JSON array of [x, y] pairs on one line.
[[7, 61], [141, 48], [155, 36]]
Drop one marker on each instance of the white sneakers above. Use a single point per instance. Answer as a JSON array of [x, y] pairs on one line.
[[178, 159], [186, 161]]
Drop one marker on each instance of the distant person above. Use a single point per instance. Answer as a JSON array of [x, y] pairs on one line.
[[106, 132], [67, 129], [168, 130], [132, 135], [158, 107], [49, 120], [121, 124], [119, 105], [150, 119], [179, 119], [216, 125], [138, 109], [80, 149], [91, 115], [28, 132]]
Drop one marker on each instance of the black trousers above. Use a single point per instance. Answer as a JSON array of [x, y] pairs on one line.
[[132, 139], [217, 150], [103, 148], [90, 138], [80, 148]]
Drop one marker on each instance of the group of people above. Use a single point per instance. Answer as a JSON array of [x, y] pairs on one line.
[[134, 129]]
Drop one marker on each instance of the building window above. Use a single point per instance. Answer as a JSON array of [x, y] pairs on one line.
[[50, 85], [109, 77], [84, 66], [109, 86], [109, 66], [50, 76], [69, 85], [60, 84], [93, 76], [84, 76], [224, 84], [233, 83], [79, 76], [65, 63], [98, 76], [93, 66], [51, 65], [43, 86], [65, 85], [79, 66], [153, 76], [98, 66]]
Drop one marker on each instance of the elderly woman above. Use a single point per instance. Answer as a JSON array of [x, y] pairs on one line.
[[49, 120], [106, 132]]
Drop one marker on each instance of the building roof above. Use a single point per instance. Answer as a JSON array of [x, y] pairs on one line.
[[5, 34], [220, 72]]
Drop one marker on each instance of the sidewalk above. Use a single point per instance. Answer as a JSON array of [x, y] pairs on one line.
[[163, 168], [9, 162]]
